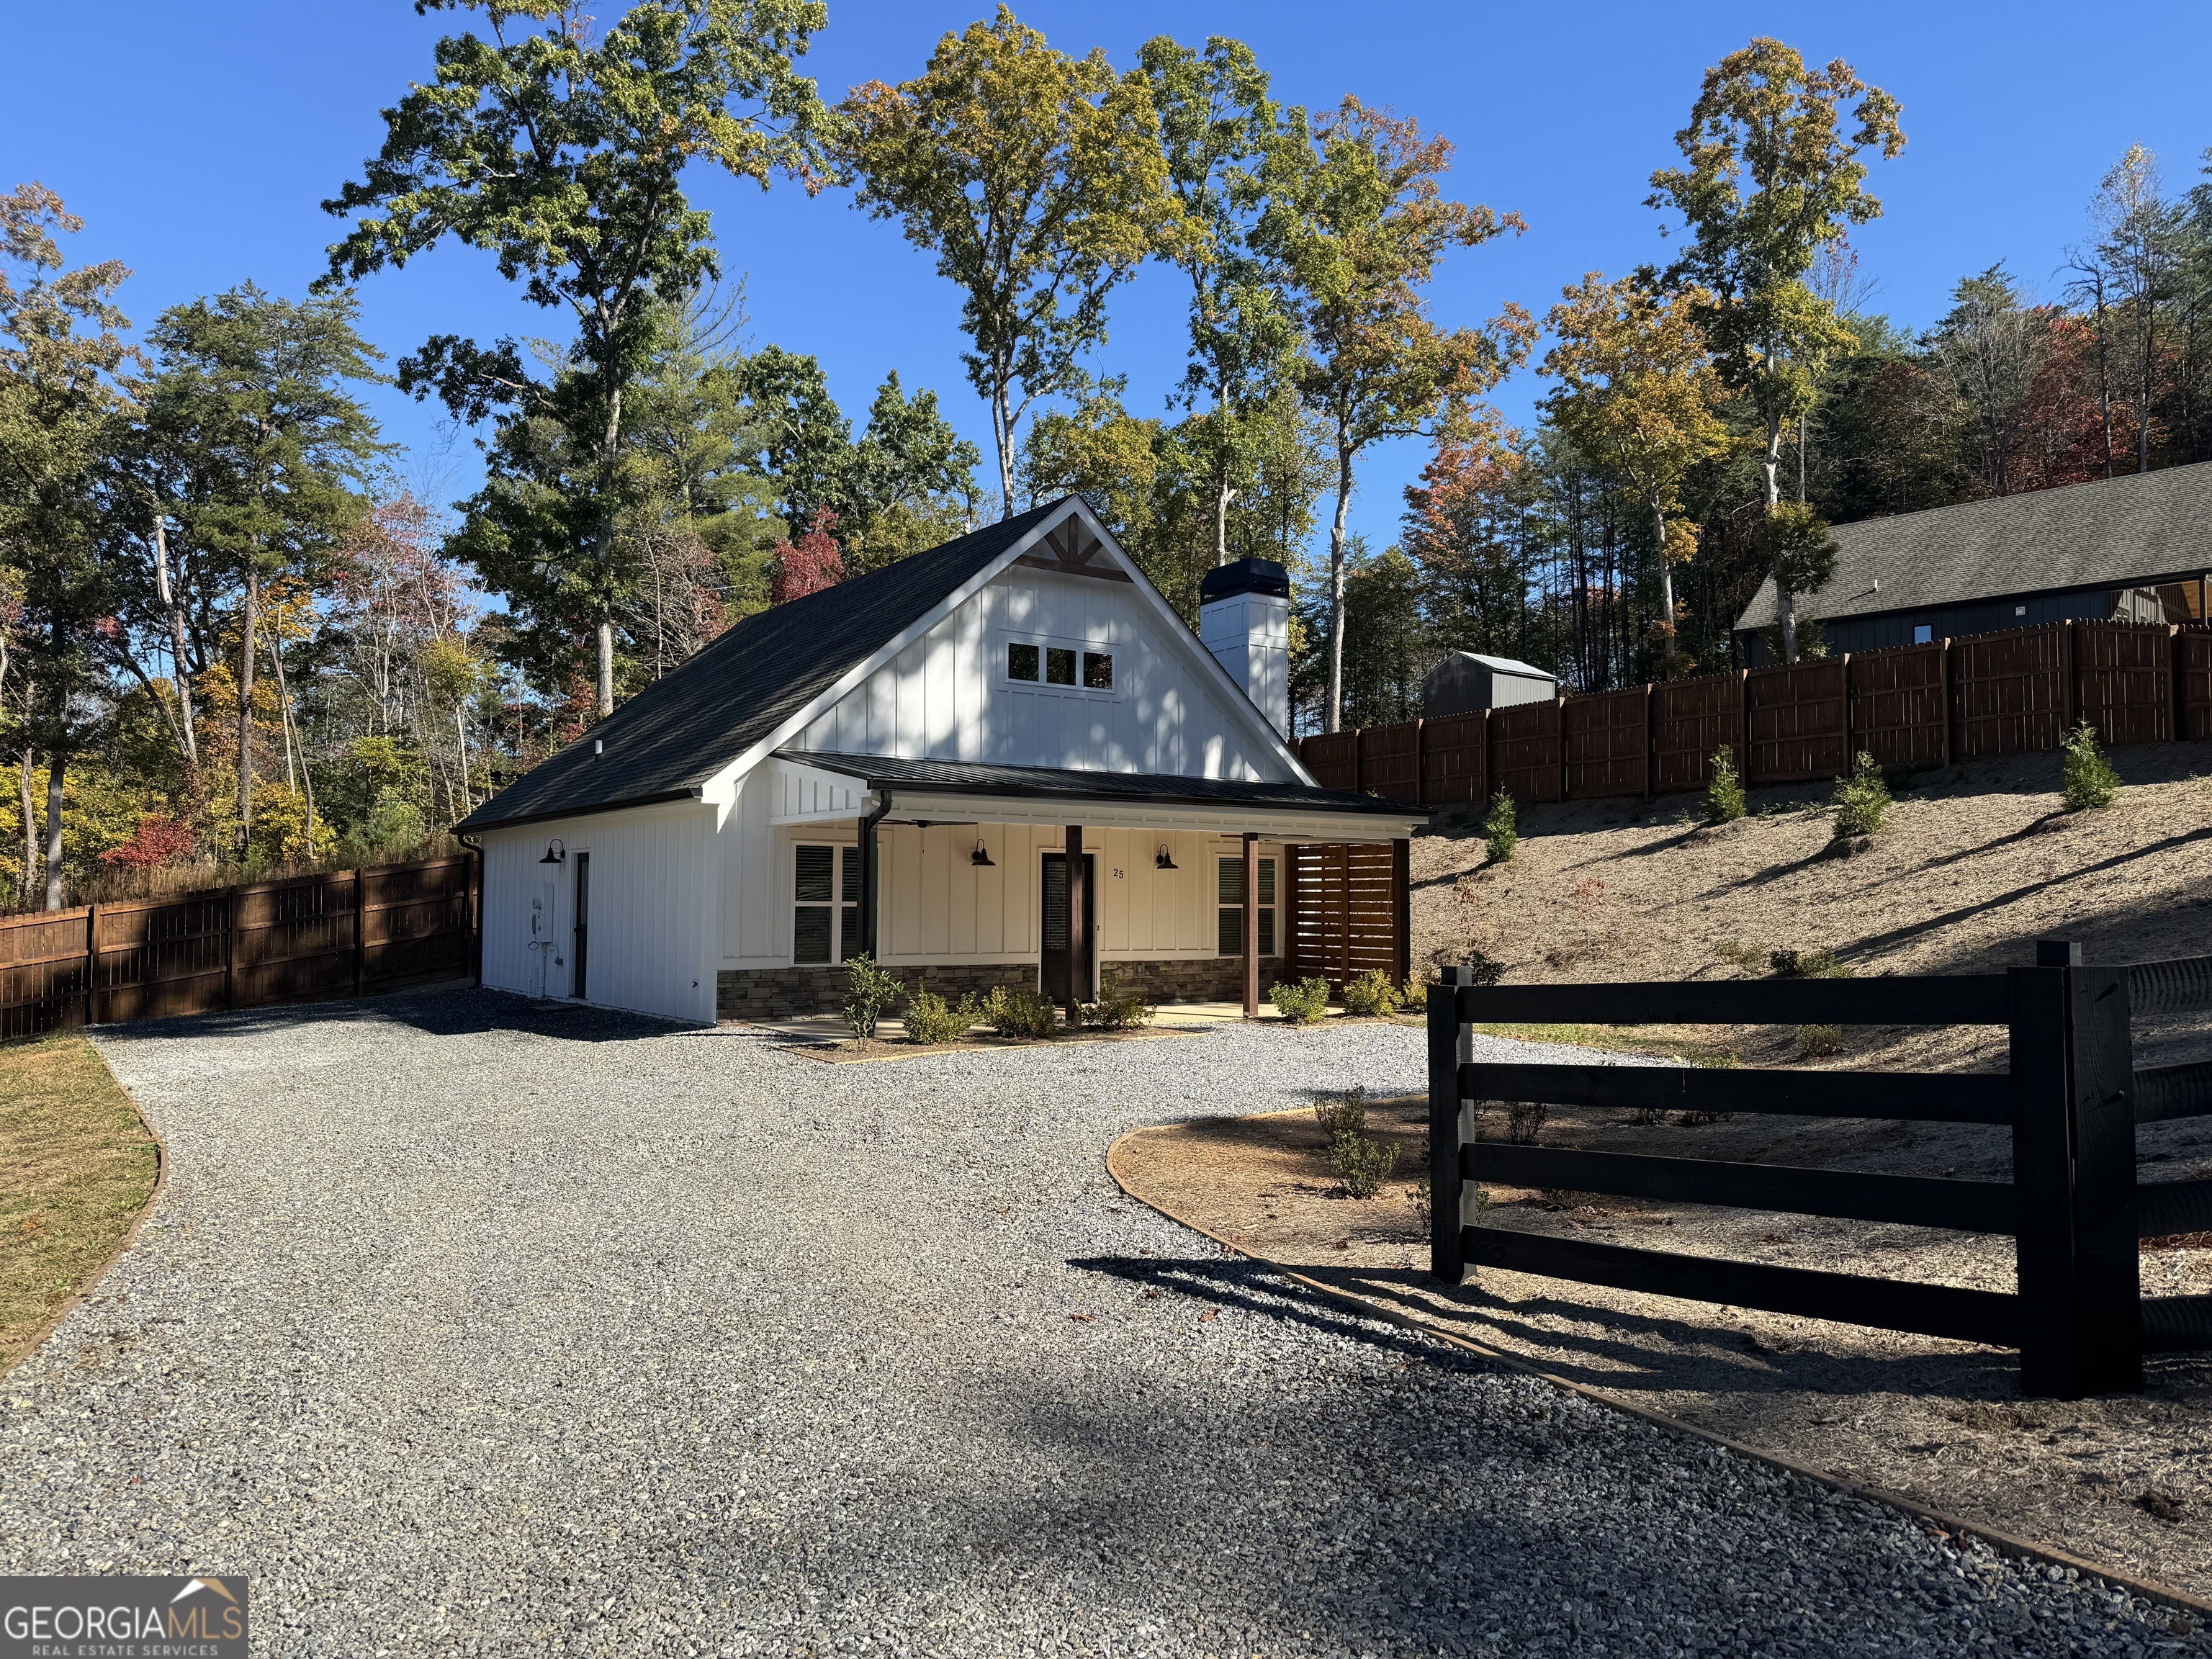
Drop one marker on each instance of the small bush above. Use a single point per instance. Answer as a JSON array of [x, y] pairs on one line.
[[1419, 1196], [868, 991], [1725, 794], [1862, 802], [1300, 1003], [2090, 780], [1808, 965], [930, 1020], [1524, 1120], [1342, 1114], [1739, 954], [1019, 1012], [1362, 1163], [1413, 997], [1117, 1009], [1818, 1042], [1371, 993], [1499, 830]]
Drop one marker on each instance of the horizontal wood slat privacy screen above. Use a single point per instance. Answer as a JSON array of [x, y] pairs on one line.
[[340, 933], [1917, 705]]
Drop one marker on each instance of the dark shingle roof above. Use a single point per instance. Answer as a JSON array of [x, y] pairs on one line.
[[677, 732], [2119, 532], [1047, 782]]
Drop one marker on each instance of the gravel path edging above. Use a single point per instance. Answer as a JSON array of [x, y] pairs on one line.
[[2004, 1542], [40, 1337]]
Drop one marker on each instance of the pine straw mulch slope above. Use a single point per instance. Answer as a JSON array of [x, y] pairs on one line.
[[76, 1167]]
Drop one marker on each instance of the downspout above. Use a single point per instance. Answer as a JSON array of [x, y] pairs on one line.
[[476, 912], [870, 863]]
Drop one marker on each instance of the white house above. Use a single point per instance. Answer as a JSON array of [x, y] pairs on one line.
[[905, 765]]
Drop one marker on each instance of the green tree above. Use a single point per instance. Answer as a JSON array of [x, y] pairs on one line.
[[1770, 179], [912, 480], [1799, 553], [1216, 124], [563, 157], [259, 387], [1354, 227], [1038, 181], [1637, 394], [60, 352]]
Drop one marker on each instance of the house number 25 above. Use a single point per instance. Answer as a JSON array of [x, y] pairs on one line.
[[1118, 876]]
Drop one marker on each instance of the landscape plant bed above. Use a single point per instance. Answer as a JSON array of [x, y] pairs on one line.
[[77, 1166], [2125, 1480], [852, 1050]]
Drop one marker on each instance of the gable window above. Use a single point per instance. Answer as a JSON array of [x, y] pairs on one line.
[[1097, 671], [1059, 665], [1083, 670], [1229, 937], [1022, 662], [825, 909]]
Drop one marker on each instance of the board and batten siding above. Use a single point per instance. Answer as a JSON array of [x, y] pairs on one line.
[[652, 939], [940, 907], [946, 696]]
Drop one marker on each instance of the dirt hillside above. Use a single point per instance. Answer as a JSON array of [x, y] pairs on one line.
[[1978, 862]]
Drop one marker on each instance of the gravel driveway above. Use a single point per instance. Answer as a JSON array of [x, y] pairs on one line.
[[466, 1327]]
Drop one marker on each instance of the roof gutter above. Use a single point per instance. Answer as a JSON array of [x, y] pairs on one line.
[[693, 792]]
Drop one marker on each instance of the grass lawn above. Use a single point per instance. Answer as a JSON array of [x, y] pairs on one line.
[[76, 1165], [1624, 1039]]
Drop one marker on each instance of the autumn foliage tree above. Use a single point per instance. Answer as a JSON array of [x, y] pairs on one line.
[[809, 564]]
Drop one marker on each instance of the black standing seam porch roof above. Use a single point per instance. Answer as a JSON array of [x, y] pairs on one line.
[[880, 772], [669, 739]]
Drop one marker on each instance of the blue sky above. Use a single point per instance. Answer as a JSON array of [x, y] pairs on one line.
[[198, 140]]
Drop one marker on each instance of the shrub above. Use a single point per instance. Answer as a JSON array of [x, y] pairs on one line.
[[1300, 1003], [2090, 780], [1497, 828], [1808, 965], [1362, 1163], [1116, 1009], [1725, 794], [1342, 1114], [1413, 997], [1524, 1120], [929, 1019], [1419, 1194], [1862, 803], [1019, 1012], [1818, 1042], [868, 991], [1735, 952], [1371, 993]]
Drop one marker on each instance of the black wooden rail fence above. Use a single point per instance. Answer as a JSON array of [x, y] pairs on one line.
[[2071, 1097]]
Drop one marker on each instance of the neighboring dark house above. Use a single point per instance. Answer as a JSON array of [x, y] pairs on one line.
[[2135, 548]]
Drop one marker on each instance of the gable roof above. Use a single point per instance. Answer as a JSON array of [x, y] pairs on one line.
[[669, 739], [2115, 531]]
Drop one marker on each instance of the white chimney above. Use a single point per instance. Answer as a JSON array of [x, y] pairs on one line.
[[1244, 620]]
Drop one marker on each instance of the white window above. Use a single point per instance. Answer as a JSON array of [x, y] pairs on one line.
[[1076, 668], [825, 909], [1229, 940]]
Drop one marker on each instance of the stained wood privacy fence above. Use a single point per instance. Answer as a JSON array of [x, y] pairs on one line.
[[341, 933], [1350, 912], [2071, 1101], [1917, 705]]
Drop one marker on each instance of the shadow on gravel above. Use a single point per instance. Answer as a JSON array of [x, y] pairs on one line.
[[458, 1010]]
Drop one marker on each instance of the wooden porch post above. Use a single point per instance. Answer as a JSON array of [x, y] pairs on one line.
[[1076, 941], [1401, 910], [1251, 925]]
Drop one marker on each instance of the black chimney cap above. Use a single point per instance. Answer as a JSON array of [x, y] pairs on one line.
[[1245, 576]]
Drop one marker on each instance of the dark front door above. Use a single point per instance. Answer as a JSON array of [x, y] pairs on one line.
[[583, 921], [1053, 957]]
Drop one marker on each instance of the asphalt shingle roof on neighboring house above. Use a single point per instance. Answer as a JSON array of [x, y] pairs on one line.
[[676, 734], [2115, 531]]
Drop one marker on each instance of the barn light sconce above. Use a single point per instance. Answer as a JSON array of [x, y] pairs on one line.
[[556, 852], [981, 858], [1162, 862]]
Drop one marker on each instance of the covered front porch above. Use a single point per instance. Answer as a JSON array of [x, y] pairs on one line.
[[1185, 891]]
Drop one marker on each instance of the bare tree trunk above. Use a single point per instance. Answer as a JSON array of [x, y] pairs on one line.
[[1772, 462], [1222, 497], [609, 441], [607, 634], [29, 878], [2104, 384], [461, 732], [1666, 583], [246, 715], [1801, 460], [1333, 714], [1002, 434], [180, 673], [1786, 603], [56, 765], [293, 734]]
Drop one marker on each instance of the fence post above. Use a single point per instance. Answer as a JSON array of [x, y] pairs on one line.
[[1420, 766], [1449, 1043], [360, 933], [1743, 722], [1848, 755], [2043, 1177], [1559, 726], [2108, 1260], [230, 949], [1943, 683], [1651, 738], [2069, 691], [91, 963]]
